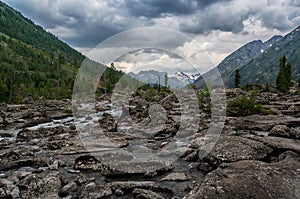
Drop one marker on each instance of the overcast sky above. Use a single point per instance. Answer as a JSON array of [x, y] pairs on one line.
[[219, 26]]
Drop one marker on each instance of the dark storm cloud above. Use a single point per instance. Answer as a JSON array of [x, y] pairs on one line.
[[203, 22], [230, 16], [87, 23], [80, 23], [157, 8]]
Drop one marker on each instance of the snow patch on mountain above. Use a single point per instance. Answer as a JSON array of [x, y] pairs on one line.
[[176, 81]]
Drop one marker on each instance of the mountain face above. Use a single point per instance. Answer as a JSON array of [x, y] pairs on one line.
[[33, 62], [176, 81], [15, 25], [236, 60], [265, 67]]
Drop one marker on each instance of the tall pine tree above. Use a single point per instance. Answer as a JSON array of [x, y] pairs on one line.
[[283, 81], [237, 78]]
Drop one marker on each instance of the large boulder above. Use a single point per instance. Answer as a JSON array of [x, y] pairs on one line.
[[285, 132], [252, 179], [235, 148], [280, 131]]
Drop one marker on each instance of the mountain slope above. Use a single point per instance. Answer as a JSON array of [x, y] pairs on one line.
[[264, 68], [34, 62], [235, 60], [14, 24]]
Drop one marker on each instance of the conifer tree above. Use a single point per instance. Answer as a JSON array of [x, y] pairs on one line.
[[166, 79], [237, 78], [283, 81]]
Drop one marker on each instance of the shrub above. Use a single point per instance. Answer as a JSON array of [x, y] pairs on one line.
[[245, 105]]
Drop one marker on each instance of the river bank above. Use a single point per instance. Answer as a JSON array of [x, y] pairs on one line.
[[44, 154]]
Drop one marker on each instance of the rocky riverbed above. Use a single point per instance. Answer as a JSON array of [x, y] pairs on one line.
[[45, 154]]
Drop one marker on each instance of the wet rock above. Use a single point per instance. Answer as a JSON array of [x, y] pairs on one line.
[[176, 177], [59, 113], [108, 123], [26, 135], [36, 121], [119, 192], [5, 142], [72, 127], [7, 135], [91, 163], [146, 194], [252, 179]]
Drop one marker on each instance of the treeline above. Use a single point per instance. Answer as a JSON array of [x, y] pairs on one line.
[[26, 71], [35, 63], [283, 80]]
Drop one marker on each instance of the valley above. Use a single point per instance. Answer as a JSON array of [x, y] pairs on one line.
[[68, 133]]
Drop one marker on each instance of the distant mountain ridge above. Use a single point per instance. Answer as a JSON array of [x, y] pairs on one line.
[[236, 60], [176, 81], [264, 68]]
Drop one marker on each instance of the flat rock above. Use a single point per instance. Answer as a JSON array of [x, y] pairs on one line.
[[263, 122], [236, 148], [279, 143], [149, 168], [26, 135], [252, 179], [142, 194], [176, 177], [122, 167], [132, 185]]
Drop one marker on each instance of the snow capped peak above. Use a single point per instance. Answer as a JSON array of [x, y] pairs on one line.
[[188, 76], [176, 80]]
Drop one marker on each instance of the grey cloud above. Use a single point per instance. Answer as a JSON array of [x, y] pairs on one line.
[[230, 17], [87, 23], [283, 17], [294, 3], [157, 8], [215, 18]]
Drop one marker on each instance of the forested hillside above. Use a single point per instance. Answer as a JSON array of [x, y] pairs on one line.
[[34, 62], [13, 24]]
